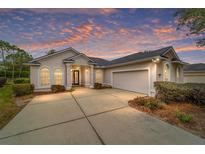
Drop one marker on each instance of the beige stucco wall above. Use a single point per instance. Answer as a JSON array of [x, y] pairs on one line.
[[194, 77], [33, 75], [99, 76], [51, 63], [172, 73]]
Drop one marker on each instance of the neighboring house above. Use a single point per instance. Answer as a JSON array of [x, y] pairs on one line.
[[136, 72], [194, 73]]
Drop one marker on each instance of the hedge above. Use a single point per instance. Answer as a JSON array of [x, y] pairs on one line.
[[179, 92], [24, 74], [23, 89], [98, 85], [21, 80], [57, 88], [2, 81]]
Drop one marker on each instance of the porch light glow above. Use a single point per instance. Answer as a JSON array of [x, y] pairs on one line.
[[156, 60]]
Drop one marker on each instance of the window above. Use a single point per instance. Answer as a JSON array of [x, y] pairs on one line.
[[45, 77], [58, 77], [166, 72]]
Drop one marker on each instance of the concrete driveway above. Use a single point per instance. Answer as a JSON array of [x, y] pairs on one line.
[[88, 116]]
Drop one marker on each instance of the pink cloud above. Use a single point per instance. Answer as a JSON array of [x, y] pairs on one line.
[[109, 54], [164, 30], [189, 48], [82, 33]]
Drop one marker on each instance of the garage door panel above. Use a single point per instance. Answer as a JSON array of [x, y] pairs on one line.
[[133, 81]]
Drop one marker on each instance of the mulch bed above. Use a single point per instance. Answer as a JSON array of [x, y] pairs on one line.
[[195, 126]]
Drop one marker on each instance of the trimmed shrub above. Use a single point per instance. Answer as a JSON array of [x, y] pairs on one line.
[[98, 86], [149, 102], [23, 89], [106, 86], [57, 88], [21, 80], [24, 74], [2, 81], [178, 92], [183, 117]]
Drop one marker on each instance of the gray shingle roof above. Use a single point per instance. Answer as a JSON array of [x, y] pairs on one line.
[[199, 67], [140, 56], [132, 57], [100, 61]]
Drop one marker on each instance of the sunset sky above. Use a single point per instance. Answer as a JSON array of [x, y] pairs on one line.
[[105, 33]]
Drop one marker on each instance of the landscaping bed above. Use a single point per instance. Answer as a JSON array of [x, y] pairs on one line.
[[11, 105], [184, 115]]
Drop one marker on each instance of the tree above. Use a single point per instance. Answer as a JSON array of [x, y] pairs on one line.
[[10, 58], [51, 51], [4, 48], [19, 56], [194, 19]]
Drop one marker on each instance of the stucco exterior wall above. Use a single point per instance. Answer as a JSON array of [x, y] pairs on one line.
[[51, 63], [99, 75], [33, 75], [172, 73], [194, 77]]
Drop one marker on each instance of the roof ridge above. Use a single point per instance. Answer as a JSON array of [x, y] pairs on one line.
[[145, 52]]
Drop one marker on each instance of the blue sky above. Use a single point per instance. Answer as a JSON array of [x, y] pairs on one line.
[[106, 33]]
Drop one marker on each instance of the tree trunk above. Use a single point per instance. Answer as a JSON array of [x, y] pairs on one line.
[[13, 66], [20, 71], [2, 54]]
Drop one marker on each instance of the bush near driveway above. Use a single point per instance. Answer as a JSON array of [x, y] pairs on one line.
[[8, 109], [21, 80], [148, 102], [179, 92], [2, 81], [183, 117], [57, 88], [101, 86], [23, 89], [98, 85]]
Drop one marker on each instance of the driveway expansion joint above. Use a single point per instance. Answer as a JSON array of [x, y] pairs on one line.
[[31, 130], [101, 140], [107, 111]]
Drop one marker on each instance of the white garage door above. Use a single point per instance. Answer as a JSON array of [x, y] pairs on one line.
[[136, 81]]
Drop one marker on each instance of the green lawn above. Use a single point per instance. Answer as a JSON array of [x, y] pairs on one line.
[[8, 109]]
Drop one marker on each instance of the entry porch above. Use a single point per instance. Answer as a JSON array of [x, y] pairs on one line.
[[79, 75]]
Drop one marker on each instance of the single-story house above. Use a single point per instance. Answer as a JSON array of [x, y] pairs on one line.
[[136, 72], [194, 73]]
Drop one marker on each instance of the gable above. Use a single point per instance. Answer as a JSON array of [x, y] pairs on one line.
[[69, 52], [171, 55], [79, 58]]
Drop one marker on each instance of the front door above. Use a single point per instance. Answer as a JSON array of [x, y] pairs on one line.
[[75, 77]]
